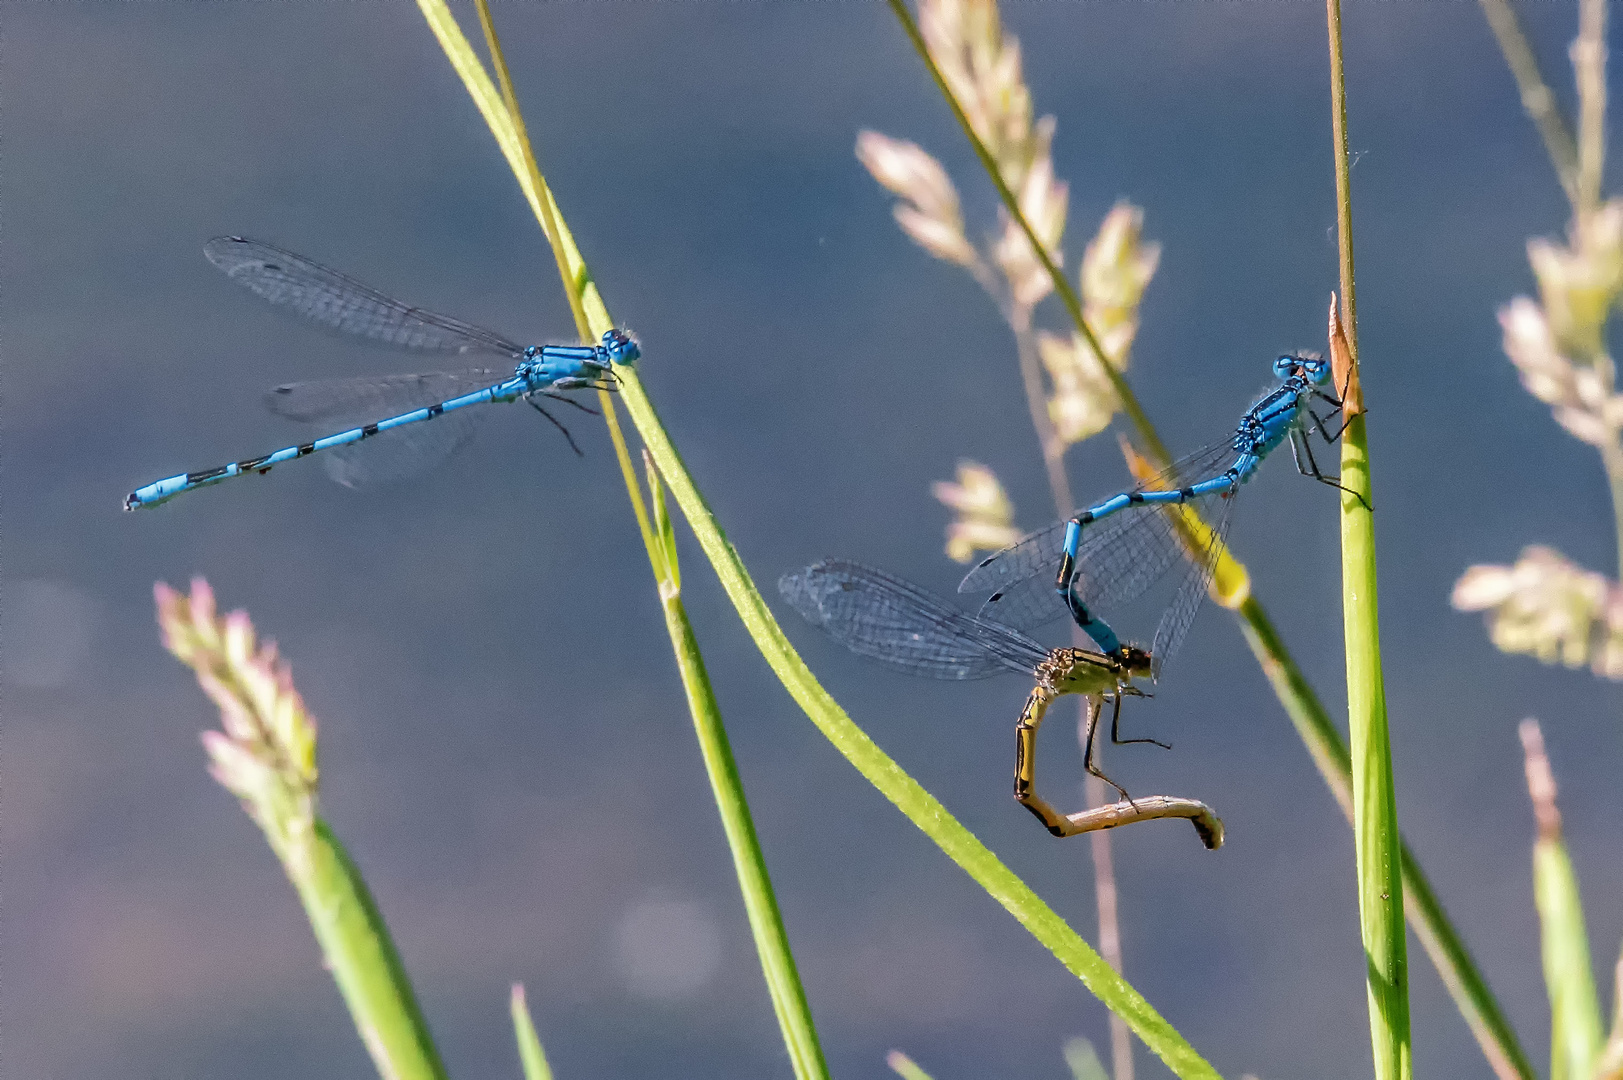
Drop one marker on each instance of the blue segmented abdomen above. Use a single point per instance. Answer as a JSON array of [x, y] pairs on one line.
[[339, 302]]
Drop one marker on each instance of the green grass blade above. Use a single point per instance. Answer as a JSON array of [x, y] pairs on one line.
[[1575, 1026], [1376, 843], [1610, 1065], [922, 808], [1375, 827], [1575, 1017], [1083, 1060], [1424, 911], [784, 987], [530, 1055], [357, 948], [919, 805], [766, 923]]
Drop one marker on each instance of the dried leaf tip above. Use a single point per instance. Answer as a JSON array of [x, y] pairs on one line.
[[1540, 780], [1343, 368]]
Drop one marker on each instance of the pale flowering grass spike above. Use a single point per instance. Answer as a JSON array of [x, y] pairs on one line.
[[1116, 268], [982, 66], [265, 752], [931, 213], [1548, 608], [1545, 606], [1044, 201], [1580, 282], [985, 516], [1081, 400]]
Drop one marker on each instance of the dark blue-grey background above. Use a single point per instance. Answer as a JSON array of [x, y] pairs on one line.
[[504, 742]]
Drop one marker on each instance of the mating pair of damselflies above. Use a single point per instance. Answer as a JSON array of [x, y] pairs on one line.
[[1108, 554]]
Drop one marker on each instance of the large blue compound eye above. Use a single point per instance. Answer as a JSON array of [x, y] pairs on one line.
[[621, 349], [1284, 366]]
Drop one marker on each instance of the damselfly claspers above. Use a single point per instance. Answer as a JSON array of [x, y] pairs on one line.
[[1114, 550], [396, 405], [885, 618]]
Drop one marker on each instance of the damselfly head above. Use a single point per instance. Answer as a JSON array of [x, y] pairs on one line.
[[1308, 365], [620, 347], [1133, 660]]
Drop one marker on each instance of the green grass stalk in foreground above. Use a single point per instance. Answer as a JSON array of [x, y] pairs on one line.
[[265, 755], [919, 806], [531, 1057], [1443, 943], [1375, 816], [1425, 913], [784, 988], [766, 923], [1575, 1017]]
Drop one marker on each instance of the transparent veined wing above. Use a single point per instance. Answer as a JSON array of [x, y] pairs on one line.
[[339, 302], [1118, 558], [885, 618], [337, 405], [1169, 634]]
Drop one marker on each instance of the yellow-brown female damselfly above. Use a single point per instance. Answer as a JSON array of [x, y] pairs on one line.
[[885, 618]]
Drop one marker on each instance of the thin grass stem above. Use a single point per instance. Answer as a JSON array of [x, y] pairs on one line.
[[1376, 843], [1424, 911], [766, 922], [1589, 65], [919, 806], [784, 987], [1537, 99]]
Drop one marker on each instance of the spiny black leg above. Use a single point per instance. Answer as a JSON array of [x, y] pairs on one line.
[[1119, 741], [1087, 749], [1296, 456], [1329, 438], [569, 401], [1313, 471], [534, 405]]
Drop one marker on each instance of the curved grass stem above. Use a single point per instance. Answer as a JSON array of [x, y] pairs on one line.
[[920, 807], [502, 115]]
